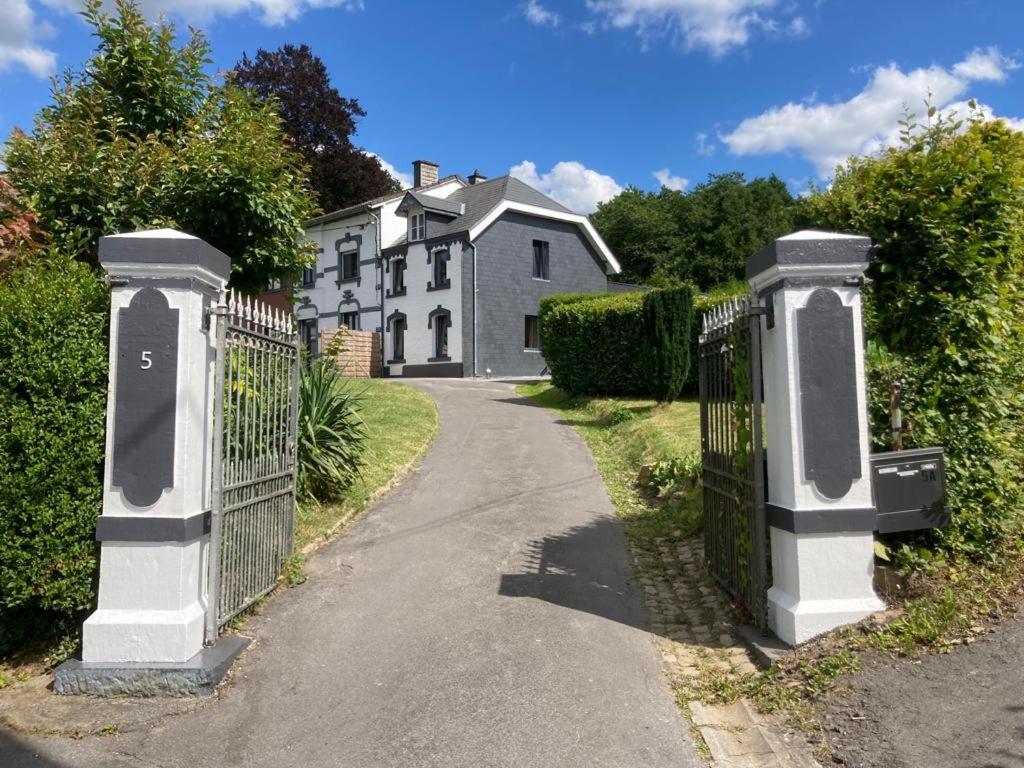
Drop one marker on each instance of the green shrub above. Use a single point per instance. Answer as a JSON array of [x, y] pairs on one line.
[[702, 303], [591, 342], [53, 384], [331, 433], [946, 306], [666, 357]]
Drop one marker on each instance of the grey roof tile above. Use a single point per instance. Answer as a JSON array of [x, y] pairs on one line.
[[481, 198]]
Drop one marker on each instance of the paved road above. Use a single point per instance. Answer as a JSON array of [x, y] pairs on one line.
[[481, 615], [964, 709]]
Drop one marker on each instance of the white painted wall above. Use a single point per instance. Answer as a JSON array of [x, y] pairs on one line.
[[326, 295], [419, 302]]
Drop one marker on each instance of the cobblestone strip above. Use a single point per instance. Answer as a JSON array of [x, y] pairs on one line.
[[690, 618]]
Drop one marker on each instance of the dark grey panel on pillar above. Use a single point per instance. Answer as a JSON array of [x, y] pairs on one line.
[[145, 398], [828, 393]]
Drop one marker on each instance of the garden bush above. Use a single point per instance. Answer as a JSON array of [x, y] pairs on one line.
[[702, 303], [331, 433], [53, 383], [945, 309], [666, 355], [592, 342], [618, 344]]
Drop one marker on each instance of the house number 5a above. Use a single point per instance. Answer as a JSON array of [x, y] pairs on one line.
[[147, 361]]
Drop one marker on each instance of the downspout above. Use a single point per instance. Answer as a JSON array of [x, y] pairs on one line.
[[473, 246], [380, 274]]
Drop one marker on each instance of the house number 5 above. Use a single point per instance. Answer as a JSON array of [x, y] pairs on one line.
[[147, 362]]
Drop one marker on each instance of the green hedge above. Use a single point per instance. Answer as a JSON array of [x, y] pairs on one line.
[[702, 303], [945, 310], [617, 344], [668, 317], [53, 382], [591, 342]]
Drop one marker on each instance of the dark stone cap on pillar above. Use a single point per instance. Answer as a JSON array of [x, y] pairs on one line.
[[163, 246], [809, 247]]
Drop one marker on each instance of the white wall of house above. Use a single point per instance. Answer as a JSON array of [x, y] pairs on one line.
[[418, 303], [326, 295]]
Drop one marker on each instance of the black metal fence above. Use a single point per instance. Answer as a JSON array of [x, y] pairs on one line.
[[254, 455], [732, 448]]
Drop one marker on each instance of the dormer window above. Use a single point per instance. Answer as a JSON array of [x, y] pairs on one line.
[[417, 226]]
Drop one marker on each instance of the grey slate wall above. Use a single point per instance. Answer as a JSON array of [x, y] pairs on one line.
[[507, 291], [467, 308]]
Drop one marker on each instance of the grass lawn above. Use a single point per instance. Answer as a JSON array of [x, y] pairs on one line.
[[625, 434], [400, 422]]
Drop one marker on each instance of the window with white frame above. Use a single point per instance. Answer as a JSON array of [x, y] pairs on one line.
[[417, 227]]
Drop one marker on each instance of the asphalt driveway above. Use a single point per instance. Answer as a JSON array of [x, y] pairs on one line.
[[483, 614]]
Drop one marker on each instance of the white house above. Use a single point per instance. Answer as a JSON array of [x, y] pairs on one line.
[[451, 272]]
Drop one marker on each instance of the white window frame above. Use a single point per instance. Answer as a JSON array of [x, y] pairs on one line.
[[417, 227]]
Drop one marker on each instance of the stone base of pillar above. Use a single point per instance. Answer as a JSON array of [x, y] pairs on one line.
[[120, 635], [198, 676], [821, 581]]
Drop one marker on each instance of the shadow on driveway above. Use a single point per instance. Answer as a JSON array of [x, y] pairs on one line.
[[572, 570]]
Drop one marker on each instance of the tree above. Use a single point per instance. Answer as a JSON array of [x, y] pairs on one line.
[[320, 121], [142, 137], [702, 236], [945, 305]]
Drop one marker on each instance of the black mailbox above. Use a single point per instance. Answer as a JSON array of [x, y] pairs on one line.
[[909, 489]]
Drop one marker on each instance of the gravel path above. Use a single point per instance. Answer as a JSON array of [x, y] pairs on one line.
[[483, 614], [964, 709]]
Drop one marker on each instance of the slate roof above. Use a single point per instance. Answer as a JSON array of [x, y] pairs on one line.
[[481, 198], [431, 203], [343, 213]]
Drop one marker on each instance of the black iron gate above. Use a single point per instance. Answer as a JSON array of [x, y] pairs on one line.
[[732, 448]]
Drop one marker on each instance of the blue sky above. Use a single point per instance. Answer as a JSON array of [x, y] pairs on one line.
[[584, 97]]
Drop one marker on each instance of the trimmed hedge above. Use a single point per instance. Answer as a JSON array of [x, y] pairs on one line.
[[591, 342], [667, 358], [53, 384], [702, 303], [617, 344]]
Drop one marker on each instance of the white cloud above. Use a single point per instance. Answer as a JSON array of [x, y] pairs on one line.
[[18, 37], [666, 179], [989, 64], [715, 25], [826, 134], [704, 147], [537, 14], [272, 13], [405, 179], [571, 183]]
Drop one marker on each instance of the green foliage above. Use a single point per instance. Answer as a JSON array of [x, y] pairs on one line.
[[53, 377], [331, 432], [670, 476], [618, 344], [702, 236], [666, 354], [294, 570], [945, 311], [142, 137], [591, 342], [703, 302]]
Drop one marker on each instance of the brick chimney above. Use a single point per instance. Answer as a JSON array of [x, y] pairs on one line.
[[477, 177], [424, 173]]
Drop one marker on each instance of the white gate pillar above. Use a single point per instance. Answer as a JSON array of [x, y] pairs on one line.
[[147, 634], [820, 509]]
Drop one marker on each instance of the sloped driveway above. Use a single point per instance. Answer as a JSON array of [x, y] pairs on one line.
[[483, 614]]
